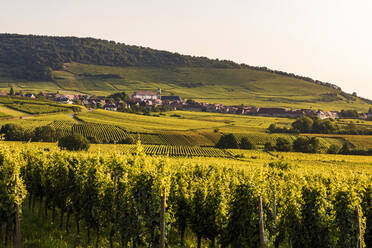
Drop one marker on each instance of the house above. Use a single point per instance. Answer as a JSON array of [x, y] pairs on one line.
[[3, 93], [171, 99], [142, 95], [110, 107], [327, 115], [64, 100], [278, 112], [29, 95]]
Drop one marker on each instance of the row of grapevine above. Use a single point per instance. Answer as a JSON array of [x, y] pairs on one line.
[[176, 151], [120, 199], [106, 133]]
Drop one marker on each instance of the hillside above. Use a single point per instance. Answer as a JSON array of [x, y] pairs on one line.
[[86, 65]]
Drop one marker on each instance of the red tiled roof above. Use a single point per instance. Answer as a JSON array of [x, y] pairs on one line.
[[145, 92]]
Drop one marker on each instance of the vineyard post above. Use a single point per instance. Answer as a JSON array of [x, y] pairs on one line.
[[274, 207], [359, 233], [162, 219], [17, 233], [261, 224]]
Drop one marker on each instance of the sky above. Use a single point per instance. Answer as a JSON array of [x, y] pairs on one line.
[[328, 40]]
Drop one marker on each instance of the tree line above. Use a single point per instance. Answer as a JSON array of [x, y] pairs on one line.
[[315, 125]]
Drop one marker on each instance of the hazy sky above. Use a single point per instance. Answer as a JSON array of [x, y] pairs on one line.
[[329, 40]]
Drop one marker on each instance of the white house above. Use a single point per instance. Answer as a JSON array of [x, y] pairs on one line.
[[110, 107], [143, 95]]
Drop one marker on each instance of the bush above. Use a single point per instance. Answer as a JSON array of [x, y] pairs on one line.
[[303, 144], [45, 134], [94, 140], [333, 149], [13, 132], [127, 140], [227, 141], [74, 142], [303, 125], [283, 145], [245, 143], [268, 147]]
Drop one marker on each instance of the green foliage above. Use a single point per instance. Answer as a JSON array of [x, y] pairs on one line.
[[45, 134], [334, 149], [12, 132], [74, 142], [283, 145], [308, 145], [242, 229], [303, 125], [349, 114], [118, 199], [245, 143], [281, 165], [268, 147], [227, 141], [127, 140], [326, 126]]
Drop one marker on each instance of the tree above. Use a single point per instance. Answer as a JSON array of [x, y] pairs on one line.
[[74, 142], [11, 93], [303, 144], [268, 147], [227, 141], [12, 132], [333, 149], [45, 134], [303, 124], [245, 143], [346, 148], [283, 145], [127, 140]]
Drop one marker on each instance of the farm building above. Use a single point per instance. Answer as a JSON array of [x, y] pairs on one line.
[[172, 99], [142, 95]]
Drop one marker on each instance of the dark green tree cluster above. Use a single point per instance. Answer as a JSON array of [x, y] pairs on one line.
[[34, 57], [306, 145], [229, 141], [74, 142], [315, 125], [15, 132]]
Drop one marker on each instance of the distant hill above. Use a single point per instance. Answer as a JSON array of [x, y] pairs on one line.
[[35, 63]]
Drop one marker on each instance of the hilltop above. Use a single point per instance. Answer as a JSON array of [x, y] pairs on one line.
[[87, 65]]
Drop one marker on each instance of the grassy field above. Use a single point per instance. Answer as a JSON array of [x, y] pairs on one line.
[[227, 86]]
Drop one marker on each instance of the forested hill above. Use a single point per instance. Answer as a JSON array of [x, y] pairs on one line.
[[34, 57], [41, 53]]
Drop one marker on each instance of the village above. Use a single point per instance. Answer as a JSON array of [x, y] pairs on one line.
[[155, 101]]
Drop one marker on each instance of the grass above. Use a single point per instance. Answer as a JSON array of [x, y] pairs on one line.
[[227, 86], [2, 115]]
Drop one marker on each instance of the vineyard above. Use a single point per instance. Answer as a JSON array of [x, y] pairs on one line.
[[2, 115], [175, 151], [106, 133], [32, 108], [95, 200]]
